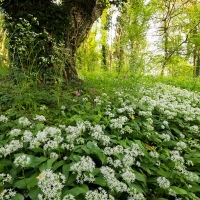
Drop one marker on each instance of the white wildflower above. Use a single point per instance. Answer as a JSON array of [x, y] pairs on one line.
[[53, 155], [5, 178], [15, 132], [3, 118], [69, 197], [165, 137], [22, 160], [7, 194], [24, 121], [40, 118], [154, 154], [163, 182], [27, 136], [13, 146], [63, 107], [181, 146], [98, 194], [50, 184], [128, 176]]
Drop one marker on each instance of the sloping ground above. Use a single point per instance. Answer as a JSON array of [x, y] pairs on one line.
[[125, 145]]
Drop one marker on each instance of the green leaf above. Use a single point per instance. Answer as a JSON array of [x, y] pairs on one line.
[[86, 149], [176, 130], [100, 181], [32, 181], [137, 187], [163, 173], [97, 151], [195, 160], [33, 193], [57, 165], [140, 177], [38, 161], [5, 162], [95, 171], [21, 184], [178, 190], [195, 188], [47, 165], [18, 197], [71, 179], [75, 191], [65, 170]]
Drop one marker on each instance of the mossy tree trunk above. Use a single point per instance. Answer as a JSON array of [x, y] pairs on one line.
[[40, 30]]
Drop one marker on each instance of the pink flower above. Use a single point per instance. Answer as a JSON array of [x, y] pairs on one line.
[[77, 93]]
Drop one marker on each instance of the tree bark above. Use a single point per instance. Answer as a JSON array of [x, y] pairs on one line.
[[36, 29]]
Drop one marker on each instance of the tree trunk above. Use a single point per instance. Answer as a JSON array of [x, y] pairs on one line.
[[45, 36]]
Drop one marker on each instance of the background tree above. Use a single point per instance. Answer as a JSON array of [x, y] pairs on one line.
[[130, 41], [36, 27]]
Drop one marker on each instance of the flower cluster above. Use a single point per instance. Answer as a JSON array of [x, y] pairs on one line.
[[24, 121], [83, 168], [3, 118], [40, 118], [98, 194], [13, 146], [22, 160], [49, 138], [5, 178], [51, 185], [113, 183], [163, 182], [7, 194]]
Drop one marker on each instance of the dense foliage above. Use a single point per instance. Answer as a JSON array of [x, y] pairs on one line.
[[124, 144]]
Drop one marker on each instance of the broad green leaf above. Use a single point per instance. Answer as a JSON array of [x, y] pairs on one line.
[[163, 173], [100, 181], [85, 187], [33, 193], [178, 190], [75, 191], [97, 151], [195, 160], [5, 162], [140, 177], [85, 149], [195, 188], [65, 170], [18, 197], [137, 187], [47, 165], [176, 130], [38, 161], [32, 181], [57, 165], [21, 184], [71, 179], [95, 171]]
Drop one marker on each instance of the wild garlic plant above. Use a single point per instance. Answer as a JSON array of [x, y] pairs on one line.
[[110, 147]]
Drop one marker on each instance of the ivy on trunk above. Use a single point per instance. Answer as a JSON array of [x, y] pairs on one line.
[[44, 36]]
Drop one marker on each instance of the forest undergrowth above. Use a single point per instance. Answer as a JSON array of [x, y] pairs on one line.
[[113, 137]]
